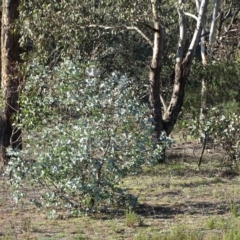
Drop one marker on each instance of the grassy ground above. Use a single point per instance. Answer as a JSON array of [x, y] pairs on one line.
[[177, 200]]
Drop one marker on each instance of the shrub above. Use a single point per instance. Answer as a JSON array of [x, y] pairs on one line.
[[83, 134]]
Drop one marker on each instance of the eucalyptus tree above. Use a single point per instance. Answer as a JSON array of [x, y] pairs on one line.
[[11, 78], [89, 31], [185, 55]]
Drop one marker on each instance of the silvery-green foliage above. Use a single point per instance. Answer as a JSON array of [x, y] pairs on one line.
[[224, 129], [164, 142], [83, 134]]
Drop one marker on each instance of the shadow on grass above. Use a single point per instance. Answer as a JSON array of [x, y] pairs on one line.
[[188, 208], [198, 183], [162, 211], [181, 169]]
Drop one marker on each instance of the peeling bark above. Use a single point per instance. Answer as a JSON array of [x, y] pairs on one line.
[[155, 72]]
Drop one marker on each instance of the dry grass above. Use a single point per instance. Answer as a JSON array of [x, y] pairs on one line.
[[176, 201]]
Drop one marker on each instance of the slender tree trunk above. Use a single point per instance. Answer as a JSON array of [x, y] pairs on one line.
[[176, 102], [154, 77], [11, 79], [204, 83], [203, 105], [155, 72]]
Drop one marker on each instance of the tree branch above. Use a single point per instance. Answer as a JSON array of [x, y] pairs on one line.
[[149, 26], [163, 103], [197, 5], [182, 32], [141, 33], [213, 27], [121, 27], [198, 29], [191, 15]]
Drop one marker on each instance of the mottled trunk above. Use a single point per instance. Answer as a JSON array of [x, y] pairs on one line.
[[182, 68], [11, 79], [167, 121], [176, 103], [203, 105], [154, 79]]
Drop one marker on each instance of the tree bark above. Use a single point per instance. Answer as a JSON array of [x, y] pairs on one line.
[[203, 105], [182, 69], [165, 122], [204, 82], [154, 79], [11, 79]]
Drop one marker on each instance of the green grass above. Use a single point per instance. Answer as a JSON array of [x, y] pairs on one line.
[[131, 218]]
